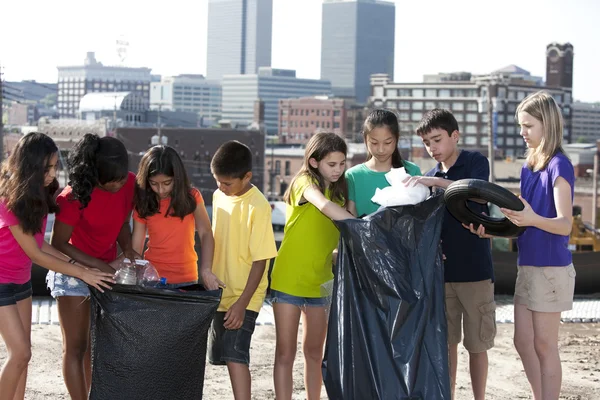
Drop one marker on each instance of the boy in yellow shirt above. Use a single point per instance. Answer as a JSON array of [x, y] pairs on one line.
[[244, 243]]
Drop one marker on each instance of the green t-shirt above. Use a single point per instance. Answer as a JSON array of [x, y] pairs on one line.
[[362, 183], [304, 261]]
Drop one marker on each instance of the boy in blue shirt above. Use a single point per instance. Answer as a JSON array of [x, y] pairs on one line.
[[468, 269]]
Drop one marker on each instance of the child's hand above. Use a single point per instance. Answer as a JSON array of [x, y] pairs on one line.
[[423, 180], [234, 318], [96, 278], [210, 280], [131, 254], [526, 217], [479, 232]]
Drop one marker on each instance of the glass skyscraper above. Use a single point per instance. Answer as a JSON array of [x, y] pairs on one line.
[[239, 36], [357, 41]]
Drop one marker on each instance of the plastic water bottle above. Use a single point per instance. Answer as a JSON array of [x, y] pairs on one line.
[[147, 275], [126, 275]]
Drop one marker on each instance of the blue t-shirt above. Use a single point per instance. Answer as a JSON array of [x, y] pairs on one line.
[[539, 248], [468, 257]]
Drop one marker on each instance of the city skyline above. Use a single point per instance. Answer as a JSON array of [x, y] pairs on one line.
[[172, 40]]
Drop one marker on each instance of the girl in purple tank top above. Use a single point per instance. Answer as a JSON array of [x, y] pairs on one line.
[[546, 276]]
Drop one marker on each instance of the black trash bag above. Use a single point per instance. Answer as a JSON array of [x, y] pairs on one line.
[[387, 334], [150, 343]]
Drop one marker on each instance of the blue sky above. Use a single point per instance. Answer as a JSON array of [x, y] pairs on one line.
[[431, 36]]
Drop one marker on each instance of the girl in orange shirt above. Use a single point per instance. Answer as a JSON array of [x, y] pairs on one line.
[[169, 210]]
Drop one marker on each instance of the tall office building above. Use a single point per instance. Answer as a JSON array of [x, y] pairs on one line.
[[239, 36], [357, 41]]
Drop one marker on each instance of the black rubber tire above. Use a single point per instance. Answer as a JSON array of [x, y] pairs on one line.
[[459, 192]]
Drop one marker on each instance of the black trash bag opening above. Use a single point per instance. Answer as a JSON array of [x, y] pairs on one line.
[[387, 333], [150, 343]]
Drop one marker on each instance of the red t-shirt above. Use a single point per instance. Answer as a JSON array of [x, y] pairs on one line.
[[96, 227]]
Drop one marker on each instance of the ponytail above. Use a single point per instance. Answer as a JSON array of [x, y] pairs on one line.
[[95, 161]]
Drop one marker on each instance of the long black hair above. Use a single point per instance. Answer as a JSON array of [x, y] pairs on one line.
[[95, 161], [384, 118], [22, 180], [318, 147], [163, 160]]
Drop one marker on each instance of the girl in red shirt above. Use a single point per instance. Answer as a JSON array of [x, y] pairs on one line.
[[27, 187], [94, 216], [169, 210]]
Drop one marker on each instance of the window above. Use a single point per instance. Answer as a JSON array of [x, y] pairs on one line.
[[471, 140], [500, 129], [470, 130], [472, 107], [417, 92], [391, 93], [460, 117], [458, 106], [288, 168], [336, 113], [417, 105], [500, 117], [510, 141], [336, 125], [458, 93], [404, 105], [277, 167], [484, 140], [471, 117], [558, 98], [444, 104], [429, 105], [405, 92], [431, 93], [416, 116], [391, 104], [444, 92], [404, 116], [511, 108]]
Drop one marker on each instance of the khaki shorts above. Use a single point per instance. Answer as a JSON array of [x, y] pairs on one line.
[[545, 289], [473, 304]]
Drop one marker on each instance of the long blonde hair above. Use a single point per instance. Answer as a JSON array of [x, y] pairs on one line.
[[541, 106], [318, 147]]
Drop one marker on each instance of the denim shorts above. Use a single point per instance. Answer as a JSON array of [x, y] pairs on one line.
[[11, 293], [302, 302], [65, 285], [226, 345]]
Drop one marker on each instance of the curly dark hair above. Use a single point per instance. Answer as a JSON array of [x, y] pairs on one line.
[[163, 160], [22, 181], [95, 161]]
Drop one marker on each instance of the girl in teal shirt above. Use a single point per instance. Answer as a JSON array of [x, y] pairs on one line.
[[381, 133]]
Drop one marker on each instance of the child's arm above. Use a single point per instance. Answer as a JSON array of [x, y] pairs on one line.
[[234, 318], [50, 258], [207, 248], [429, 181], [138, 238], [124, 240], [313, 195], [61, 234], [351, 207], [561, 225]]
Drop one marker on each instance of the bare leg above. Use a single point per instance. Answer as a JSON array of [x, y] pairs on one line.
[[74, 315], [241, 382], [524, 343], [478, 367], [314, 328], [453, 363], [287, 317], [18, 346], [545, 328]]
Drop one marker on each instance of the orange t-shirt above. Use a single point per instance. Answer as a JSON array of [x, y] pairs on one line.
[[171, 243]]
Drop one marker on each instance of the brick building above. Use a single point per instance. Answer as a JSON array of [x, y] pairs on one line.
[[299, 119]]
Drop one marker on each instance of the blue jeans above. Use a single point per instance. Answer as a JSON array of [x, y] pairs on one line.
[[11, 293], [302, 302]]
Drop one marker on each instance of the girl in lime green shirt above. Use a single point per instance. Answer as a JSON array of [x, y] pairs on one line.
[[316, 195]]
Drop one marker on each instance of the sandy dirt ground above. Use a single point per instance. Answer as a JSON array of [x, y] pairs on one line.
[[580, 352]]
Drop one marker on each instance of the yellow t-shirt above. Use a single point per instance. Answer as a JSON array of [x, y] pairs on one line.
[[304, 262], [243, 234]]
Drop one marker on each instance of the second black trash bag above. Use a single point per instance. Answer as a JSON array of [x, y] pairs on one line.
[[150, 343], [387, 336]]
